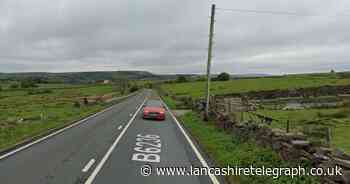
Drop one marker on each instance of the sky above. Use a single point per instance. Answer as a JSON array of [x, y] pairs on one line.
[[167, 37]]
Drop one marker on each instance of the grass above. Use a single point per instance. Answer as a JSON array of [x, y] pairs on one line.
[[170, 102], [23, 115], [229, 150], [336, 118], [196, 89]]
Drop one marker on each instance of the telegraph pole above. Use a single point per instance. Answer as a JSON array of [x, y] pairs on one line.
[[211, 33]]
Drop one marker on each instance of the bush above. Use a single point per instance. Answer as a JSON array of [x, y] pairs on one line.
[[134, 88], [42, 91], [181, 79], [14, 86], [28, 84], [223, 77], [77, 104]]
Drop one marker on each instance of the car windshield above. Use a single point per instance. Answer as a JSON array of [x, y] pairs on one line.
[[153, 103]]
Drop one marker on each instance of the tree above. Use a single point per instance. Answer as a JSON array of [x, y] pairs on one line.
[[28, 84], [14, 86], [223, 76], [181, 79]]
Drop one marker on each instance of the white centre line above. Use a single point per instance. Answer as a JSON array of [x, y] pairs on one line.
[[120, 127], [110, 150], [88, 165]]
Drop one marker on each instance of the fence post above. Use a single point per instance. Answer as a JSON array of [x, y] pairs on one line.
[[328, 136], [229, 106], [287, 130]]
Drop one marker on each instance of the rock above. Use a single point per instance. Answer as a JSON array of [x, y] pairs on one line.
[[321, 157], [300, 143], [286, 145], [342, 163], [324, 150], [341, 154], [276, 145], [277, 132], [295, 136], [307, 155]]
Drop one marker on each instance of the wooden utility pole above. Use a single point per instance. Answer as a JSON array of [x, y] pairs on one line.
[[211, 33]]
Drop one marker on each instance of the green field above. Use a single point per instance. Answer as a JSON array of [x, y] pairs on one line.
[[24, 114], [196, 89], [338, 119]]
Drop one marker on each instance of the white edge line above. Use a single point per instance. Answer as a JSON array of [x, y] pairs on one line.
[[198, 154], [57, 132], [88, 165], [110, 150]]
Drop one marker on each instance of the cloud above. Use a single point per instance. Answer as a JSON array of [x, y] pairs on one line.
[[171, 37]]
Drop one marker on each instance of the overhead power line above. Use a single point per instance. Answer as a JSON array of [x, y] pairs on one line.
[[271, 12]]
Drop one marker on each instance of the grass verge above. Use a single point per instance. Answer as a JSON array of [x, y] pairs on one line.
[[229, 150], [171, 103]]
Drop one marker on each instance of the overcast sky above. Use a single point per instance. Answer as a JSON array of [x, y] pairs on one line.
[[171, 36]]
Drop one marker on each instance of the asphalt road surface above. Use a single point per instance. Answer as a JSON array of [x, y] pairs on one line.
[[108, 148]]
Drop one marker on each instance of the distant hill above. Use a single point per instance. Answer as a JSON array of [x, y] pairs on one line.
[[250, 75], [81, 77]]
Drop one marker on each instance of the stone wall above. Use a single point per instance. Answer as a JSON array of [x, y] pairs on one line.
[[293, 147]]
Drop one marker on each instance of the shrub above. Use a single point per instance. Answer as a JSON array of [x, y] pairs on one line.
[[28, 84], [134, 88], [181, 79], [14, 86], [223, 77], [77, 104], [37, 92]]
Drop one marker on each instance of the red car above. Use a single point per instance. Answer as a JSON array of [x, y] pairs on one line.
[[154, 110]]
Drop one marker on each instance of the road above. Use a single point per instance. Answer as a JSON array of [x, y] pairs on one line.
[[110, 147]]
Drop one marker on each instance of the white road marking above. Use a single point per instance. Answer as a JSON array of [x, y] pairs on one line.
[[198, 154], [88, 165], [55, 133], [110, 150], [120, 127]]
